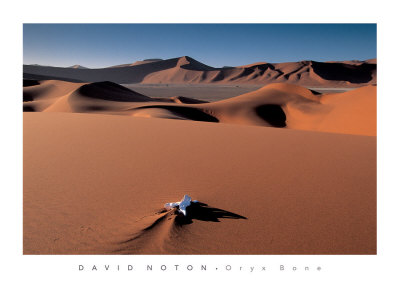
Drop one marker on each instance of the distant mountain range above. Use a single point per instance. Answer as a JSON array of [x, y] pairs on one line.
[[188, 70]]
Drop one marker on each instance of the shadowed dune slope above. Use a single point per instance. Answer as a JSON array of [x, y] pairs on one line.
[[274, 105], [137, 63], [188, 70], [266, 106], [40, 95], [295, 107], [110, 91], [95, 184], [59, 96]]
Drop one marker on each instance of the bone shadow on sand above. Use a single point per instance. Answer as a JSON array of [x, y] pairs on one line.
[[203, 212]]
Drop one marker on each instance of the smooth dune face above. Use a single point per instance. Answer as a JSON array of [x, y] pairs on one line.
[[188, 70], [275, 105], [41, 95], [352, 112], [96, 183]]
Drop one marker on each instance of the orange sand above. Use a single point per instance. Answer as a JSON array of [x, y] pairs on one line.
[[94, 183]]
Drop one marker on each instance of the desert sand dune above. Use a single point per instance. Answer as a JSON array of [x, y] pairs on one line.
[[371, 61], [352, 112], [274, 105], [77, 67], [95, 183], [266, 106], [39, 95], [188, 70], [57, 96], [187, 112], [188, 100], [137, 63], [290, 106], [110, 91], [295, 107]]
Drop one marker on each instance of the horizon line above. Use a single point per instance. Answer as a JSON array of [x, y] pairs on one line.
[[159, 59]]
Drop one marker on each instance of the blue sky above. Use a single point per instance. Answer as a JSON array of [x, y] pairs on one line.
[[101, 45]]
